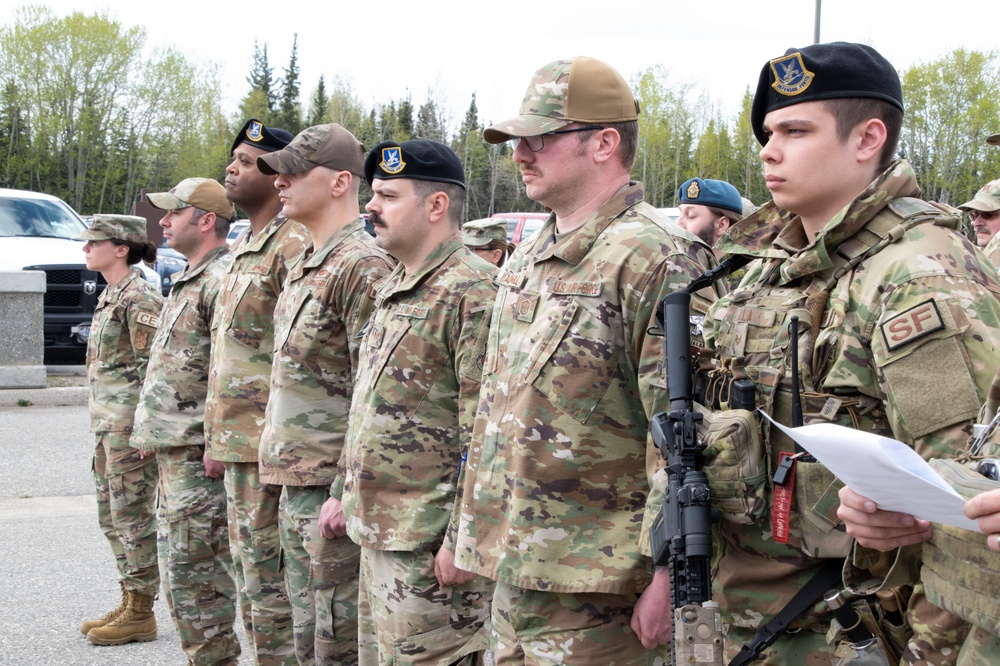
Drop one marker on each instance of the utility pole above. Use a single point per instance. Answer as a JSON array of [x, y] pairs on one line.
[[819, 5]]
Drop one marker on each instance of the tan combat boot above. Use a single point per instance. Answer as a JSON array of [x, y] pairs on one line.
[[135, 624], [110, 615]]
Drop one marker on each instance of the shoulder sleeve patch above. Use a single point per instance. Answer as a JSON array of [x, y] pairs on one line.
[[150, 319], [919, 321]]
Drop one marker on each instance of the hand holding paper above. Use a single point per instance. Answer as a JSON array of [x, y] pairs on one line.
[[885, 470]]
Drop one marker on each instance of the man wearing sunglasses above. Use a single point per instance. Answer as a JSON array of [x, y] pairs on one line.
[[561, 476], [984, 213]]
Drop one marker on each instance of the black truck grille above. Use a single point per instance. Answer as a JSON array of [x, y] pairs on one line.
[[67, 287]]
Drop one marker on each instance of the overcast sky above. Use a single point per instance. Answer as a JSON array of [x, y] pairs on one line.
[[390, 48]]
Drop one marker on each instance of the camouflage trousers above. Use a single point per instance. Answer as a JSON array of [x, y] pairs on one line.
[[195, 561], [126, 511], [254, 542], [589, 629], [405, 617], [322, 580]]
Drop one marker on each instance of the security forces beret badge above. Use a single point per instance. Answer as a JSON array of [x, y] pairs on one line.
[[790, 75], [392, 160], [693, 191], [255, 132]]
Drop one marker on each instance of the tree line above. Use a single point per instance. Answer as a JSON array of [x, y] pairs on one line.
[[84, 115]]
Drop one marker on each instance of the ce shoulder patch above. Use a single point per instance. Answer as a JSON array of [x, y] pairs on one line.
[[919, 321], [150, 319]]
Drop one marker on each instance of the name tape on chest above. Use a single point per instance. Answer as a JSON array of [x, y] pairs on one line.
[[412, 311], [919, 321]]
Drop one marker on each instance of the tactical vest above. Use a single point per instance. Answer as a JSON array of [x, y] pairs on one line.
[[753, 340], [960, 573]]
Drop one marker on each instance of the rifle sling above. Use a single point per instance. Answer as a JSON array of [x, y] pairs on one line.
[[828, 575]]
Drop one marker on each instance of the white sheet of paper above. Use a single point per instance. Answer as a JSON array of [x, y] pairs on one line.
[[884, 470]]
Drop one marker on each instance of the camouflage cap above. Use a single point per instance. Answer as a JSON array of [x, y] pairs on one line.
[[255, 133], [477, 233], [328, 145], [579, 90], [118, 227], [987, 199], [993, 139], [203, 193], [837, 70]]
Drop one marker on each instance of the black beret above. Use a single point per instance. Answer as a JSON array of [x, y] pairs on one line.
[[419, 159], [255, 133], [823, 71]]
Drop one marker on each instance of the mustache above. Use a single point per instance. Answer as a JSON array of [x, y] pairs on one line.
[[375, 218]]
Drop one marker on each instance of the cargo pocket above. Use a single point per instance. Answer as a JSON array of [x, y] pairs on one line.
[[333, 577], [576, 363], [265, 544], [734, 464], [816, 502]]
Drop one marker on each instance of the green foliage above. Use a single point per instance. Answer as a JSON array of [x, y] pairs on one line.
[[951, 107], [86, 117], [289, 114]]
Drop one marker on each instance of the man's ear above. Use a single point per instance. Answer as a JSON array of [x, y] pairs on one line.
[[871, 136]]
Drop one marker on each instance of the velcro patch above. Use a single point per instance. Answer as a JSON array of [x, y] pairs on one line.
[[140, 339], [919, 321], [412, 311], [258, 269], [150, 319], [564, 288], [512, 280], [524, 309]]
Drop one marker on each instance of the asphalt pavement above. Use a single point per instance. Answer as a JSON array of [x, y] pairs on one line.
[[56, 568]]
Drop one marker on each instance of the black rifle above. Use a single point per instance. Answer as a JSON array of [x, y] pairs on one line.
[[681, 535]]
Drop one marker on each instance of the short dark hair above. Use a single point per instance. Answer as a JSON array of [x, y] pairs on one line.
[[850, 112], [221, 227], [455, 192], [730, 215], [628, 131]]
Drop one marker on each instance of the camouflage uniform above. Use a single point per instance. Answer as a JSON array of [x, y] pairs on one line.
[[560, 492], [992, 250], [196, 564], [326, 301], [242, 346], [888, 295], [418, 381], [121, 334]]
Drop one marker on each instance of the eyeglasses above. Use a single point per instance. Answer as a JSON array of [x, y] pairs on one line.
[[537, 142], [986, 215]]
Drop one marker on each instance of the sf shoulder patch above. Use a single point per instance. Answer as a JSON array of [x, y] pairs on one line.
[[917, 322]]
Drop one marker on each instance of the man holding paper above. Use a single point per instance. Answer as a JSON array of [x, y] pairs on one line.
[[866, 308]]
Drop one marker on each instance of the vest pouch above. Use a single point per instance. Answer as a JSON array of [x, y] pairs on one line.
[[960, 573], [816, 502], [735, 465]]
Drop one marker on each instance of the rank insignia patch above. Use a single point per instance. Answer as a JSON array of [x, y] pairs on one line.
[[790, 75]]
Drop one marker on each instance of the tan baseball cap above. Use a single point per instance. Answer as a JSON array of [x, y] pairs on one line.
[[987, 198], [203, 193], [120, 227], [579, 90], [327, 145]]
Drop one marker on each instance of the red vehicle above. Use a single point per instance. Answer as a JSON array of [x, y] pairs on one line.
[[521, 225]]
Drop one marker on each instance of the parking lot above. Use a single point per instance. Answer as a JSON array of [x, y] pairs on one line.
[[57, 568]]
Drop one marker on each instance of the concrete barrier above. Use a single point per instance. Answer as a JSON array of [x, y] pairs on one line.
[[22, 342]]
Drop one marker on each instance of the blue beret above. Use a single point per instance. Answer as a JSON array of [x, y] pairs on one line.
[[837, 70], [419, 159], [255, 133], [715, 193]]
